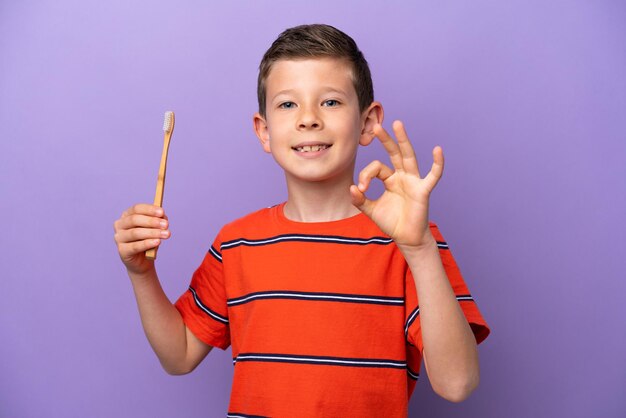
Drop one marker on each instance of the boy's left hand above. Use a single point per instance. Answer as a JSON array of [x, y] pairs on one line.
[[402, 210]]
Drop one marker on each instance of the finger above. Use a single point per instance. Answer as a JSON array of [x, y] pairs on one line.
[[390, 145], [144, 209], [373, 169], [140, 234], [141, 221], [409, 161], [436, 171], [361, 201], [137, 247]]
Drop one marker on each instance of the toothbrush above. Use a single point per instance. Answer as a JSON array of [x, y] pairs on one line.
[[168, 128]]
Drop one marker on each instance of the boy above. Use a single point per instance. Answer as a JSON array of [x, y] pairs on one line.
[[318, 295]]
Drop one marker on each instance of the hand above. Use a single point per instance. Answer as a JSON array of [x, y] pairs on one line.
[[140, 228], [402, 210]]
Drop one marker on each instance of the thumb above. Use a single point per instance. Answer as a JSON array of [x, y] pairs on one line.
[[361, 201]]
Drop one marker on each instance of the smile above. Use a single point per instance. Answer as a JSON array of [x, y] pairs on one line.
[[312, 148]]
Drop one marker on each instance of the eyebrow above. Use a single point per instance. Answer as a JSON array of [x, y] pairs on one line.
[[323, 90]]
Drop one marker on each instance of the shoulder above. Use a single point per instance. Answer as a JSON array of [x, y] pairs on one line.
[[250, 224]]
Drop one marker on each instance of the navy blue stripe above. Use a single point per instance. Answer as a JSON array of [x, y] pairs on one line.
[[242, 415], [320, 360], [216, 254], [324, 239], [410, 321], [206, 309], [316, 296], [413, 315], [327, 239], [412, 374]]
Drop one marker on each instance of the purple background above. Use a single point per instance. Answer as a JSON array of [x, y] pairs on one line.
[[527, 98]]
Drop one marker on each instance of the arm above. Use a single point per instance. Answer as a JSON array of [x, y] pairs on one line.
[[449, 351], [139, 229]]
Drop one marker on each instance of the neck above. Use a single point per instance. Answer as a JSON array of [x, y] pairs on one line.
[[319, 201]]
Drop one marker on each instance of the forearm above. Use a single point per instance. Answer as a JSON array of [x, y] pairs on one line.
[[162, 323], [450, 349]]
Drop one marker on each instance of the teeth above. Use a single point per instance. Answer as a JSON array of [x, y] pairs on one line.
[[311, 148]]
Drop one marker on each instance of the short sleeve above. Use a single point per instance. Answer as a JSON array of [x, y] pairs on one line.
[[203, 306], [476, 321]]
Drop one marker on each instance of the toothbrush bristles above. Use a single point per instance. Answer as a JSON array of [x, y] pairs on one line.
[[167, 121]]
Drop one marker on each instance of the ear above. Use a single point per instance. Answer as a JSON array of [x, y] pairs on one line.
[[371, 116], [261, 131]]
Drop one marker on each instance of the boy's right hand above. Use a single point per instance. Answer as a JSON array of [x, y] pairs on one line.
[[140, 228]]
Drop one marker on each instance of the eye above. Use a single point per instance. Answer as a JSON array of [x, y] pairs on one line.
[[331, 103], [287, 105]]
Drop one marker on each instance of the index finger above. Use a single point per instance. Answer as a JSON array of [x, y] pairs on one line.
[[390, 145], [144, 209]]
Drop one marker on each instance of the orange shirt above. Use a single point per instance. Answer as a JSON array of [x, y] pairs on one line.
[[323, 318]]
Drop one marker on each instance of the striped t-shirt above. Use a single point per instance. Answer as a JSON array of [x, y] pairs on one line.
[[322, 317]]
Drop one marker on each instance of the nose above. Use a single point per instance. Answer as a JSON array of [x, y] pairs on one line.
[[309, 118]]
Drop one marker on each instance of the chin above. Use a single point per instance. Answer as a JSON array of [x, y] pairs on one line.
[[320, 177]]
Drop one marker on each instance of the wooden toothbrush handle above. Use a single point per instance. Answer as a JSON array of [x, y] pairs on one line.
[[151, 254]]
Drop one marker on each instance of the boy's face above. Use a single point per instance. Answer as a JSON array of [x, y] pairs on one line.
[[313, 125]]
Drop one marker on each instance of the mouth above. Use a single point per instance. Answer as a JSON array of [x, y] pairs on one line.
[[311, 148]]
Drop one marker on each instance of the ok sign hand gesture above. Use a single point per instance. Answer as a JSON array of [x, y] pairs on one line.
[[402, 210]]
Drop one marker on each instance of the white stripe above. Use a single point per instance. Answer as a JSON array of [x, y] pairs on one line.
[[413, 375], [205, 309], [411, 318], [215, 253], [408, 322], [406, 328], [381, 363], [304, 238], [397, 302]]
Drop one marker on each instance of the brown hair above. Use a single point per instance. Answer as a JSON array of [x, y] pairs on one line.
[[316, 41]]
